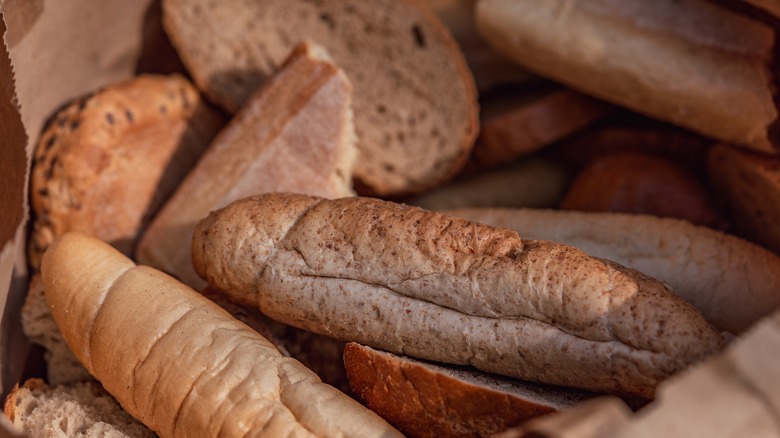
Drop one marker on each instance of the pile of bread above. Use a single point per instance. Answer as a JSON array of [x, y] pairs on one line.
[[359, 218]]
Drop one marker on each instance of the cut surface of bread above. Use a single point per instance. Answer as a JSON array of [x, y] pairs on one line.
[[424, 399], [294, 135], [79, 410], [415, 100]]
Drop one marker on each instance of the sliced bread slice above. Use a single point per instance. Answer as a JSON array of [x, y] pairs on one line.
[[81, 409], [423, 399], [294, 135], [415, 99]]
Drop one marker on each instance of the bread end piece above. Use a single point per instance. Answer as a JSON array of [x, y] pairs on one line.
[[424, 399]]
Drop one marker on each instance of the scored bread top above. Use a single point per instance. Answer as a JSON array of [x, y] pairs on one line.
[[415, 100], [445, 289]]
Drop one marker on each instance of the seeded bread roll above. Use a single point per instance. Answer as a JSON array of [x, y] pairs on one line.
[[415, 100], [440, 288], [731, 281], [425, 399], [107, 162], [178, 362], [295, 134]]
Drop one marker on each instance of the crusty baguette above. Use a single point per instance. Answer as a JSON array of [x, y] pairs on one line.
[[415, 99], [692, 63], [749, 183], [633, 182], [105, 163], [81, 409], [436, 287], [424, 399], [178, 362], [732, 282], [295, 134]]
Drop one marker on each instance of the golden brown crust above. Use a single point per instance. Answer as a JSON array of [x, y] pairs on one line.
[[694, 63], [181, 364], [383, 274], [106, 162], [424, 400]]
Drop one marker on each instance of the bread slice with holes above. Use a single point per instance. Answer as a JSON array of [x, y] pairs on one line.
[[425, 399], [82, 409], [414, 97]]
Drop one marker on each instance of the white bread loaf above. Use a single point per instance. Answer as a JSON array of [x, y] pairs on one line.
[[731, 281], [693, 63], [180, 363], [436, 287], [294, 134]]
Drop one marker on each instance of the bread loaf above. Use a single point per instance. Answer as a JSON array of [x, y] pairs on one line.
[[295, 134], [631, 182], [106, 162], [693, 63], [415, 100], [178, 362], [425, 399], [731, 281], [445, 289]]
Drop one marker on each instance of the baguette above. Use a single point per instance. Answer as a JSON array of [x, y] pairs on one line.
[[732, 282], [294, 134], [440, 288], [693, 63], [424, 399], [178, 362]]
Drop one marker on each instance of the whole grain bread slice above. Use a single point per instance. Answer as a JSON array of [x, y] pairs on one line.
[[415, 99], [425, 399]]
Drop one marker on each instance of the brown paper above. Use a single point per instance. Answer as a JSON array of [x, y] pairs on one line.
[[56, 50]]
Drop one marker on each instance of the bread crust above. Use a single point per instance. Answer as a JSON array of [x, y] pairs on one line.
[[416, 110], [106, 162], [731, 281], [181, 364], [692, 63], [445, 289], [294, 134], [426, 400]]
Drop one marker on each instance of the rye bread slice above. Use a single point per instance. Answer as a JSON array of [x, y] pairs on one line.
[[423, 399], [414, 97]]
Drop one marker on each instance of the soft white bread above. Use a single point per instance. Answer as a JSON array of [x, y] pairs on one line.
[[80, 410], [731, 281], [693, 63], [425, 399], [178, 362], [294, 134], [436, 287], [415, 99]]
